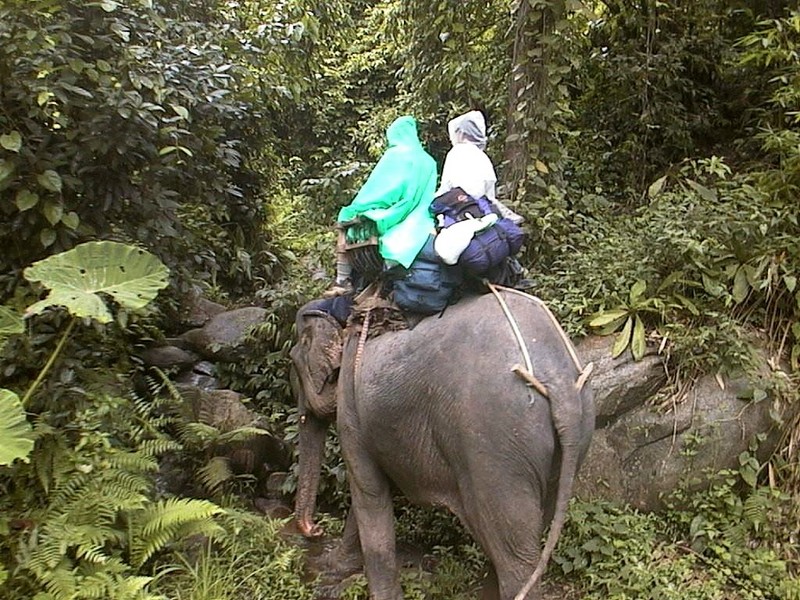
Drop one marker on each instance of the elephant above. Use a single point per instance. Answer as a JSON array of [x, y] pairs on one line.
[[446, 412]]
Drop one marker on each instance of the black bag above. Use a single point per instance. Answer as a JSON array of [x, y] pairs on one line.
[[508, 273], [456, 205], [428, 285]]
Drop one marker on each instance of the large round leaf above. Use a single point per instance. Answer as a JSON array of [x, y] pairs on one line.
[[10, 324], [16, 439], [128, 274]]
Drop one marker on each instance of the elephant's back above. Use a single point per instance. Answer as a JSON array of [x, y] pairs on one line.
[[479, 337], [451, 378]]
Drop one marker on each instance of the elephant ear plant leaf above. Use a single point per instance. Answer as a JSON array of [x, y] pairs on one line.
[[10, 324], [131, 276], [16, 440], [76, 278]]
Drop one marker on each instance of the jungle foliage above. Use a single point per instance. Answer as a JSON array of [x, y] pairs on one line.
[[653, 147]]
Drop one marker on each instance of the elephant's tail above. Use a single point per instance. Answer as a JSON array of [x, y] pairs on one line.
[[571, 416]]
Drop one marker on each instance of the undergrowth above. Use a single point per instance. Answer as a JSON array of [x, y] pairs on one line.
[[713, 544], [249, 559]]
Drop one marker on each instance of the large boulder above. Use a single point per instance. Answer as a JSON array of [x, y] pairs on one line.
[[227, 411], [197, 310], [223, 336], [168, 357], [644, 448]]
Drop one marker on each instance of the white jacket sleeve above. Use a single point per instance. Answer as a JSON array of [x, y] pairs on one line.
[[490, 184], [448, 171]]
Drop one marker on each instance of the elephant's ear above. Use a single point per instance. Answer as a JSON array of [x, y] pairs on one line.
[[324, 350], [317, 358]]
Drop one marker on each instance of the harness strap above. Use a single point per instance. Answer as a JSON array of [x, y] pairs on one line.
[[362, 340], [538, 301], [584, 373], [526, 373]]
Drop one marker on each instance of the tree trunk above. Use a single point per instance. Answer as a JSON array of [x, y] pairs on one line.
[[530, 89]]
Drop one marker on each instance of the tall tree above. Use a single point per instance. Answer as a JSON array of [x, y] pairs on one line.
[[534, 91]]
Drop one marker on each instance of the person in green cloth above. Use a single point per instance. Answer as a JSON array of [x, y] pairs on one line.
[[396, 198]]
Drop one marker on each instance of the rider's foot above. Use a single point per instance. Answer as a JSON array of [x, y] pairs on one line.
[[339, 289], [525, 284]]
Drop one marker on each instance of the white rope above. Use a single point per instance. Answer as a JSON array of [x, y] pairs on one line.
[[539, 302], [520, 341]]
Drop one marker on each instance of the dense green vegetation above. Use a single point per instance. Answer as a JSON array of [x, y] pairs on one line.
[[654, 148]]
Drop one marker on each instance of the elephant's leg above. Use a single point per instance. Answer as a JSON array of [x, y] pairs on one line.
[[346, 559], [507, 522], [372, 508]]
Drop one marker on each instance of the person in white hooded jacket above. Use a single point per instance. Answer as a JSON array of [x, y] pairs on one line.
[[467, 166]]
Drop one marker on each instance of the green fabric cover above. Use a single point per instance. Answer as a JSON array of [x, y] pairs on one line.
[[397, 194]]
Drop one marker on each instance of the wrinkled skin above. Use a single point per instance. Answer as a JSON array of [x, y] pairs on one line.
[[437, 411], [315, 368]]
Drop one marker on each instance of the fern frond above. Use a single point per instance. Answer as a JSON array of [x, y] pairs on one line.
[[214, 473], [97, 585], [112, 581], [158, 447], [68, 491], [153, 412], [757, 508], [197, 434], [127, 487], [735, 534], [51, 460], [61, 582], [41, 555], [108, 571], [141, 406], [132, 461], [106, 494], [141, 553], [132, 587], [208, 529], [166, 384], [176, 511], [241, 434], [163, 522], [92, 554], [68, 534]]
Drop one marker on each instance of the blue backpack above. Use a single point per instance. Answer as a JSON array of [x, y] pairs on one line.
[[456, 205], [491, 246], [428, 284]]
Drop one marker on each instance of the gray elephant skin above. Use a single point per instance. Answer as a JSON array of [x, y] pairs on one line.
[[438, 411]]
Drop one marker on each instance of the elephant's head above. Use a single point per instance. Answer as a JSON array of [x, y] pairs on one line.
[[316, 358], [315, 367]]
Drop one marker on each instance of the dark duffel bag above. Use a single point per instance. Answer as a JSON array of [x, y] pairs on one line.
[[428, 284], [491, 246]]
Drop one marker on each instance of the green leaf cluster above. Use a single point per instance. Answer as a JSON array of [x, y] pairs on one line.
[[84, 495], [141, 120], [689, 553], [86, 500], [249, 558]]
